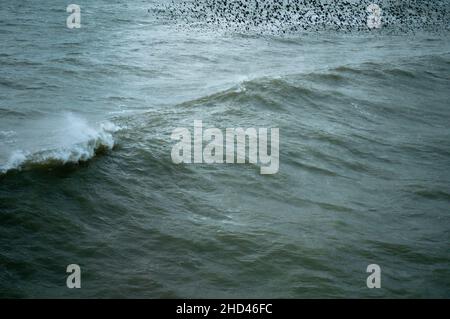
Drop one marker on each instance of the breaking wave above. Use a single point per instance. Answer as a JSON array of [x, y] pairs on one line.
[[74, 141]]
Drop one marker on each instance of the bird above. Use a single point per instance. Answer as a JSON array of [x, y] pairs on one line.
[[290, 16]]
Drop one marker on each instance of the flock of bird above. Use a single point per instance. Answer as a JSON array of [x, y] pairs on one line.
[[290, 16]]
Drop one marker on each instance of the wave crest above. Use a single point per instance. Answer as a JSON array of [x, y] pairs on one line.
[[73, 142]]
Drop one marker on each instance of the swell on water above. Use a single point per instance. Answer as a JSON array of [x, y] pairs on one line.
[[78, 140], [313, 85], [75, 141]]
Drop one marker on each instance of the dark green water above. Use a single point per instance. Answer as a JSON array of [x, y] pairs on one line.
[[364, 159]]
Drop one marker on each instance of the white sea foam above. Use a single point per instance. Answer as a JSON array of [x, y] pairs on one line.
[[72, 140], [7, 134]]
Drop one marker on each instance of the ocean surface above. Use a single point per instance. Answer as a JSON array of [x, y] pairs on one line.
[[86, 175]]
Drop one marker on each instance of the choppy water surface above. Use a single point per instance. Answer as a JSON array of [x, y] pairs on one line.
[[86, 175]]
